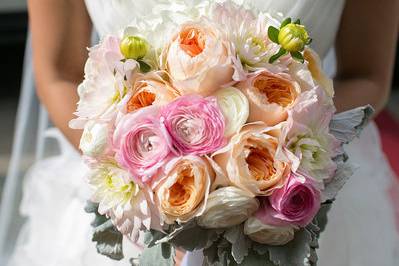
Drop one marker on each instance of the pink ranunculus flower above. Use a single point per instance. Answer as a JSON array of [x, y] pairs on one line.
[[294, 204], [196, 124], [141, 143]]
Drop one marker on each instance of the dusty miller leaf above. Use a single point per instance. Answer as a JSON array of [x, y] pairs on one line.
[[158, 255], [151, 237], [195, 238], [347, 125], [343, 173], [239, 243], [108, 239]]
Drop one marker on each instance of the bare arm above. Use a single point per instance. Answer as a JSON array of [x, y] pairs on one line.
[[60, 34], [365, 47]]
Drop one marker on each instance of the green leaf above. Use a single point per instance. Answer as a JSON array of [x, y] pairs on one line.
[[309, 41], [240, 243], [273, 34], [108, 239], [285, 22], [280, 53], [158, 255], [298, 57], [144, 67], [195, 238], [298, 21]]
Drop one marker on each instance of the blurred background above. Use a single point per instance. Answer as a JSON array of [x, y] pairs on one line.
[[13, 29]]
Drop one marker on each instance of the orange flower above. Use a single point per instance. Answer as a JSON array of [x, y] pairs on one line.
[[183, 192], [150, 89], [269, 96], [192, 41], [250, 160], [199, 59]]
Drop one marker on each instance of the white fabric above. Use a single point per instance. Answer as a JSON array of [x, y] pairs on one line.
[[361, 229]]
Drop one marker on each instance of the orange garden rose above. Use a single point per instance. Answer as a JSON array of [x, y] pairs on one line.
[[270, 96], [250, 160], [150, 89], [183, 192], [199, 59]]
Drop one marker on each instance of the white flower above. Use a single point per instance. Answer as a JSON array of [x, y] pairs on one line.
[[307, 134], [235, 108], [249, 35], [267, 234], [94, 139], [119, 197], [227, 207], [104, 86]]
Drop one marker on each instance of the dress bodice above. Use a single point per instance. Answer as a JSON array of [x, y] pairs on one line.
[[320, 16]]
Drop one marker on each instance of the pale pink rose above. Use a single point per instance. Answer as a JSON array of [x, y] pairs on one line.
[[150, 89], [195, 124], [250, 161], [141, 143], [296, 203], [270, 96], [181, 194], [104, 86], [199, 59], [307, 135]]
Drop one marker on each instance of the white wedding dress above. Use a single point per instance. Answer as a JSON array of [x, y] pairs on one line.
[[361, 229]]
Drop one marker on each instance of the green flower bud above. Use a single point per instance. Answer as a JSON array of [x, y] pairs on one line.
[[134, 47], [293, 37]]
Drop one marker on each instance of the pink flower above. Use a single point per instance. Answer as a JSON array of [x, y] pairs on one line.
[[308, 138], [196, 124], [102, 91], [141, 143], [294, 204]]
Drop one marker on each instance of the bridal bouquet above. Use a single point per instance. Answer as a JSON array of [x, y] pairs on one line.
[[217, 134]]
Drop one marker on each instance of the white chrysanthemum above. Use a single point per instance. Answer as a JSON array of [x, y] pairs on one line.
[[308, 138], [104, 85], [235, 108], [120, 198], [249, 35]]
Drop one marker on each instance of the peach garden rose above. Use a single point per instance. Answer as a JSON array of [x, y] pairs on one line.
[[182, 192], [199, 59], [270, 96], [250, 160], [150, 89]]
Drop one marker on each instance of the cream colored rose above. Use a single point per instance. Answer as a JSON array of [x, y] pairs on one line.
[[94, 139], [198, 59], [270, 96], [183, 192], [267, 234], [150, 89], [250, 160], [228, 206], [235, 108]]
